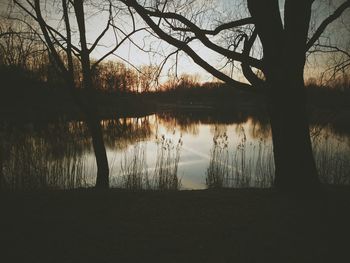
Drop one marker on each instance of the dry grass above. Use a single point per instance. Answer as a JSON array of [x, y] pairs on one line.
[[168, 156], [250, 165]]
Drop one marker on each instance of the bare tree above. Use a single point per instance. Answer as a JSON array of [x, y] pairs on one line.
[[284, 43], [20, 46], [62, 49], [147, 77]]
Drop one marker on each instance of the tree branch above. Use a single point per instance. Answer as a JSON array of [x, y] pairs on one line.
[[184, 47], [217, 30], [104, 31], [337, 13], [199, 33], [331, 49], [49, 43], [115, 48], [246, 69]]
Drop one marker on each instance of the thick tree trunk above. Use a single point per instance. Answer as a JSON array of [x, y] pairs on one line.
[[284, 46], [294, 162]]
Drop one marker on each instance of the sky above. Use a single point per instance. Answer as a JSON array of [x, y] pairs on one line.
[[224, 10]]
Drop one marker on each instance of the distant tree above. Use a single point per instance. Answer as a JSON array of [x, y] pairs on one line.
[[105, 76], [187, 81], [148, 77], [20, 46], [284, 43]]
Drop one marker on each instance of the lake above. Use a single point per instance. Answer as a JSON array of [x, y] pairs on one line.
[[165, 151]]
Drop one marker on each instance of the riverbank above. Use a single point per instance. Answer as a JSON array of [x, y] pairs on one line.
[[187, 226], [37, 102]]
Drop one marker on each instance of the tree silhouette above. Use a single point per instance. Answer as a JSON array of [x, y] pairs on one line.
[[284, 44], [62, 50]]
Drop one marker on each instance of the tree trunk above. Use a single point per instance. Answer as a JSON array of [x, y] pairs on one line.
[[91, 111], [294, 162], [284, 48], [94, 126]]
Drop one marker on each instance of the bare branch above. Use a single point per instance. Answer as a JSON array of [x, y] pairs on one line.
[[246, 69], [161, 66], [132, 18], [127, 62], [69, 41], [330, 49], [47, 38], [104, 31], [199, 33], [9, 33], [337, 13], [184, 47], [25, 10], [217, 30], [115, 48], [160, 19], [48, 27], [30, 26]]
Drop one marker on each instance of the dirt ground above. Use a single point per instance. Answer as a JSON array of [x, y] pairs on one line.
[[188, 226]]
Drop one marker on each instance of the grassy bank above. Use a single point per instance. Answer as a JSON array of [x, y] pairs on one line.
[[187, 226]]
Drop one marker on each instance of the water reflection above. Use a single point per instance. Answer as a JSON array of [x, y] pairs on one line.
[[43, 156], [167, 162], [134, 173], [332, 156], [120, 133], [245, 164], [164, 151]]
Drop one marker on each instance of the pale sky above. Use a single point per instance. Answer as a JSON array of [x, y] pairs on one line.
[[224, 9]]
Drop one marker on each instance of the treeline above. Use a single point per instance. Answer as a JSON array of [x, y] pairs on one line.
[[109, 76], [25, 63], [25, 67], [24, 59]]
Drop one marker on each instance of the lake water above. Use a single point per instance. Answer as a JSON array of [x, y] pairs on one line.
[[163, 151]]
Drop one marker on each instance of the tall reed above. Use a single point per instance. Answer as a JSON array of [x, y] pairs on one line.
[[249, 164], [332, 157], [134, 174], [168, 156], [33, 162]]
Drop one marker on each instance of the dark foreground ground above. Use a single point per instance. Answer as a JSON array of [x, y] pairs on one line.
[[187, 226]]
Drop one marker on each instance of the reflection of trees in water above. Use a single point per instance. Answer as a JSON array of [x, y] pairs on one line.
[[252, 163], [119, 133], [332, 155], [218, 130], [168, 156], [218, 170], [249, 165], [337, 121], [134, 174], [52, 155], [185, 123], [43, 156], [188, 122], [259, 129]]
